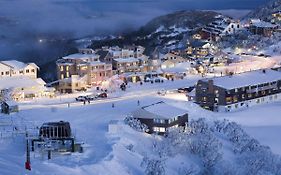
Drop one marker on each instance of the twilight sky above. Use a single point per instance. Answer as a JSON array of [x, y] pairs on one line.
[[25, 21]]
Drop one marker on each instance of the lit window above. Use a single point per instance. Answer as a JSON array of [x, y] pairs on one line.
[[235, 99], [156, 120], [228, 99], [159, 129]]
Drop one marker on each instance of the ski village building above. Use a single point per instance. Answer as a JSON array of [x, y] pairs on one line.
[[199, 49], [220, 27], [77, 71], [239, 91], [259, 27], [276, 17], [18, 81], [159, 117]]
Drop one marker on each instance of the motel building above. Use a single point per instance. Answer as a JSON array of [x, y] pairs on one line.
[[240, 91]]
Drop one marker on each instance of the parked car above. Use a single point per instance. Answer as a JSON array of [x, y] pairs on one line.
[[186, 89], [91, 97], [162, 92], [182, 90], [81, 98], [102, 95]]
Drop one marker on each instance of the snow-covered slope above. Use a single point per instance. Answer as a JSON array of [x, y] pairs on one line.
[[131, 152]]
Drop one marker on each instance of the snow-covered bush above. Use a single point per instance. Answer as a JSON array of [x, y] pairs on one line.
[[253, 157], [135, 124], [153, 166]]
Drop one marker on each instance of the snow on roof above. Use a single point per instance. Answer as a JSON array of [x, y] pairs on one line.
[[11, 103], [159, 110], [179, 68], [247, 79], [15, 64], [197, 43], [125, 60], [81, 56], [20, 82], [93, 63], [259, 23], [143, 58]]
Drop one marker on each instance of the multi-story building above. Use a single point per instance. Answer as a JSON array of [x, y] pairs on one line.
[[160, 117], [122, 65], [259, 27], [238, 91], [222, 26], [127, 59], [199, 49], [87, 67], [170, 60], [14, 68], [18, 81], [276, 17]]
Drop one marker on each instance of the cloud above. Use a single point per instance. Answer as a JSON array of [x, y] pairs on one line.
[[22, 22]]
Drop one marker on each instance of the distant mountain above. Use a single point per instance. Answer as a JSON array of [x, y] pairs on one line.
[[183, 19], [167, 31], [265, 12]]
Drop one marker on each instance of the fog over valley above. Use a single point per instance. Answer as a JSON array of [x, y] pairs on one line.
[[29, 28]]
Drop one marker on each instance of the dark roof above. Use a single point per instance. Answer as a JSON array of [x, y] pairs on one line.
[[197, 43], [102, 54], [60, 123]]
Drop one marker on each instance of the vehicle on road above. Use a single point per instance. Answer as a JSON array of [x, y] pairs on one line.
[[91, 97], [81, 98], [162, 92], [102, 95]]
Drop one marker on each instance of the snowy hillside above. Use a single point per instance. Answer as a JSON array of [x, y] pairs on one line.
[[265, 11], [214, 145]]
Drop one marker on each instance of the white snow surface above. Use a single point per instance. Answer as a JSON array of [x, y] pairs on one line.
[[247, 79], [108, 154]]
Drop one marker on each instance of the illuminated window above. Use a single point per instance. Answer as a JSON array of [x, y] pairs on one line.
[[205, 98], [159, 129], [61, 68], [67, 68], [228, 99], [235, 99], [156, 120]]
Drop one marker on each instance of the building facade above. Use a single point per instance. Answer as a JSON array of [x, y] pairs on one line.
[[160, 117], [239, 91], [222, 26], [258, 27], [14, 68], [77, 71]]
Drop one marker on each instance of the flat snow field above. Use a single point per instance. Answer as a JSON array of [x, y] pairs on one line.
[[106, 154]]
